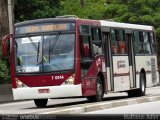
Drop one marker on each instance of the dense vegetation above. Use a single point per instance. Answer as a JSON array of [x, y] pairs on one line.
[[145, 12], [132, 11]]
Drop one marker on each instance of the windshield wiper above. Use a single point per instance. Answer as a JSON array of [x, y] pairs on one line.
[[38, 51], [34, 46], [52, 47]]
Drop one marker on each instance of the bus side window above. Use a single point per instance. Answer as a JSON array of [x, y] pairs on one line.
[[118, 42], [152, 42], [122, 47], [96, 41], [138, 43], [146, 44], [85, 47], [114, 43], [86, 50], [122, 42]]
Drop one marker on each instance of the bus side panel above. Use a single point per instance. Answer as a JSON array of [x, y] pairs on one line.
[[12, 67], [77, 60], [154, 70], [89, 85], [121, 73], [140, 64], [148, 63]]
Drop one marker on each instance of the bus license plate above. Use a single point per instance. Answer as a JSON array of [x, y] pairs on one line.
[[43, 91]]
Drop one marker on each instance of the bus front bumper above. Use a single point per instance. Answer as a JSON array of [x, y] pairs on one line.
[[47, 92]]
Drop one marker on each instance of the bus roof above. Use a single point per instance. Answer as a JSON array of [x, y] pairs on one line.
[[46, 20], [126, 25]]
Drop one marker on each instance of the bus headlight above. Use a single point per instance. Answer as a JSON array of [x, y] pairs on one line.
[[20, 84], [70, 80]]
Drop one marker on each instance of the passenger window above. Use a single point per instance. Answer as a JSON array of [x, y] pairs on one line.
[[137, 36], [86, 49], [95, 34], [152, 42], [120, 35], [122, 47], [146, 44], [122, 42], [138, 44], [96, 41], [114, 43], [142, 43], [118, 42]]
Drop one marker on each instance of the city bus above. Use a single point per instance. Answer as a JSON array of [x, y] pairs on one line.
[[71, 57]]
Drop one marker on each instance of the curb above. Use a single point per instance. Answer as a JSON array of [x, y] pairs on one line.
[[83, 108]]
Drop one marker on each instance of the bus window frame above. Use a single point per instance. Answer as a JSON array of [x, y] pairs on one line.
[[118, 42], [90, 43], [45, 73], [97, 41], [141, 36]]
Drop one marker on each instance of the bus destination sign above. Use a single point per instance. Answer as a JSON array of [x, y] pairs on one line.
[[44, 28], [31, 29]]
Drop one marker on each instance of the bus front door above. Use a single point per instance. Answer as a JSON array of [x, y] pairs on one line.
[[108, 60]]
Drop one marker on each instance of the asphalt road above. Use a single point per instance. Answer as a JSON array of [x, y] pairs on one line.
[[28, 107], [143, 108]]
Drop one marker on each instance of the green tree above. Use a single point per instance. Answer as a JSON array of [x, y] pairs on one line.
[[145, 12], [91, 9], [4, 29], [34, 9], [4, 72]]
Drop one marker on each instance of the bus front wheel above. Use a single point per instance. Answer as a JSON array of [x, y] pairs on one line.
[[40, 102], [99, 92]]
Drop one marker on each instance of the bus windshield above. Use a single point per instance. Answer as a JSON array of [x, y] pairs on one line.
[[45, 53]]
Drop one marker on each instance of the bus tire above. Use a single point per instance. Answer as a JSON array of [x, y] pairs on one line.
[[142, 90], [40, 102], [99, 92]]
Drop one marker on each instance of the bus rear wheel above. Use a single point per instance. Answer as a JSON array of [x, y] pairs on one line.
[[99, 92], [142, 90], [40, 102]]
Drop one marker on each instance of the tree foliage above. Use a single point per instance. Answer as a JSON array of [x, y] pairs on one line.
[[4, 29], [34, 9], [91, 9], [145, 12]]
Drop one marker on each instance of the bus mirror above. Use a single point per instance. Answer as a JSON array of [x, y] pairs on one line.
[[6, 45]]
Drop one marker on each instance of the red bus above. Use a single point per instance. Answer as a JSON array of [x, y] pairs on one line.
[[71, 57]]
